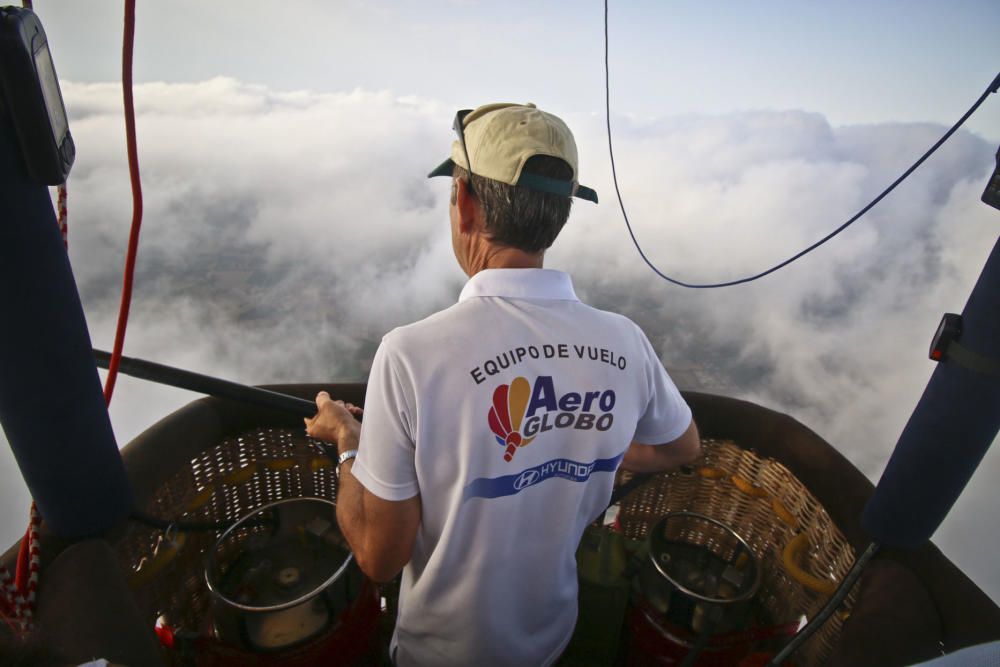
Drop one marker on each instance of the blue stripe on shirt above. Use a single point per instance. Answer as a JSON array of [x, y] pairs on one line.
[[508, 485]]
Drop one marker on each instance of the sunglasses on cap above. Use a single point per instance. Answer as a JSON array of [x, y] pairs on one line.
[[532, 181], [459, 127]]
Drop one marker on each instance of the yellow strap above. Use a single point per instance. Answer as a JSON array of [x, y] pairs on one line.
[[748, 488], [279, 464], [320, 463], [203, 497], [793, 550], [783, 513], [241, 476]]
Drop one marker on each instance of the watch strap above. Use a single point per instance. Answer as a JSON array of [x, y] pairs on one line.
[[344, 458]]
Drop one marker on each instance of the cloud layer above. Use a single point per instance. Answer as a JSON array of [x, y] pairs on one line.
[[285, 233]]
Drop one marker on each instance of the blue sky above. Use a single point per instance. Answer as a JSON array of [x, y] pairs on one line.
[[854, 62]]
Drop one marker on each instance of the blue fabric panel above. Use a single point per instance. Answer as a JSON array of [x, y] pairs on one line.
[[51, 403], [949, 432]]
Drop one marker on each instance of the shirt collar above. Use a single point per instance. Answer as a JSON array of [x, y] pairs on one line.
[[520, 284]]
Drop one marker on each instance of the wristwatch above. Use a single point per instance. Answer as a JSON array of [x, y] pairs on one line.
[[344, 458]]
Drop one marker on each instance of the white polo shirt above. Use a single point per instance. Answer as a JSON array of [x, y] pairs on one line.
[[508, 413]]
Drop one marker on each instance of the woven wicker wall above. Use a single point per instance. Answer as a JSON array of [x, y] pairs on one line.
[[222, 484], [748, 506], [226, 482]]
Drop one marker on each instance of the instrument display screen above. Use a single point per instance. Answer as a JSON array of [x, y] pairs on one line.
[[32, 99], [50, 92]]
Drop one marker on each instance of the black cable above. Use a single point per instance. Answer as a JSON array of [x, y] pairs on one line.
[[993, 87], [827, 611], [165, 524], [699, 645]]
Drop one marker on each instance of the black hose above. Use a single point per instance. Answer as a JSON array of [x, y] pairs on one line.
[[831, 606], [165, 524], [699, 645], [191, 526]]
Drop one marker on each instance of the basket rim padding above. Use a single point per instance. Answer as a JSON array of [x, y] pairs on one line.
[[968, 616]]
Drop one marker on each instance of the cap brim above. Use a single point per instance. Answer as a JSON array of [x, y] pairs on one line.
[[446, 168], [556, 186]]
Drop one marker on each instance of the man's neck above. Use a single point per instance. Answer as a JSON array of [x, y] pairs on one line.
[[502, 257]]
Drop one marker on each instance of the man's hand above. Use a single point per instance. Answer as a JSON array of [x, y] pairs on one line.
[[381, 533], [658, 458], [334, 421]]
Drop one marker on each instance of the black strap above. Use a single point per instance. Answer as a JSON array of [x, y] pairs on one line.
[[583, 192], [556, 187], [971, 360]]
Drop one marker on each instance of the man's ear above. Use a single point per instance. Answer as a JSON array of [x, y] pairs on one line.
[[468, 206]]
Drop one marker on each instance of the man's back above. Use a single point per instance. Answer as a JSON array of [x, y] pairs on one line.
[[508, 413], [493, 429]]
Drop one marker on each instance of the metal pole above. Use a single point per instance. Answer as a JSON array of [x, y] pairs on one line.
[[204, 384]]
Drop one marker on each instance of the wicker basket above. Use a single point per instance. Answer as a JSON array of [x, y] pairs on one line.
[[766, 505], [758, 498], [222, 484]]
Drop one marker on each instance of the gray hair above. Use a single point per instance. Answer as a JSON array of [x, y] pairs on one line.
[[520, 218]]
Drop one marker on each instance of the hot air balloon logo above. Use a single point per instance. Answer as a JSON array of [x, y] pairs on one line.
[[509, 404]]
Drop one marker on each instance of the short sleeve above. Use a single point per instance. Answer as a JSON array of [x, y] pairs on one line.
[[667, 414], [385, 462]]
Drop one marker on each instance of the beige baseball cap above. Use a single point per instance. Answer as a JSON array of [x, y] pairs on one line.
[[501, 137]]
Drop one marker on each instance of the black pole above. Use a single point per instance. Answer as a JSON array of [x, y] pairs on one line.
[[204, 384]]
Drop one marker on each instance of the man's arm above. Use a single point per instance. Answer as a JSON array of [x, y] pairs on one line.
[[380, 532], [658, 458]]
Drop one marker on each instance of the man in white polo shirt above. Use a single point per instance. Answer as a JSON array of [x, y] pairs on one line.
[[493, 428]]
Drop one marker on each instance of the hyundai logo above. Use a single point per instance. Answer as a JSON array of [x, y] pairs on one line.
[[525, 479]]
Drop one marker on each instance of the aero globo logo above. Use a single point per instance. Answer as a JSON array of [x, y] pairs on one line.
[[509, 405], [521, 411]]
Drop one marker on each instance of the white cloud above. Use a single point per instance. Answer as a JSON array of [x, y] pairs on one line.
[[286, 232]]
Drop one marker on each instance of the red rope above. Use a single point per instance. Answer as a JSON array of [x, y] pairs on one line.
[[34, 562], [17, 593], [63, 215], [11, 601], [21, 574], [8, 620], [133, 168]]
